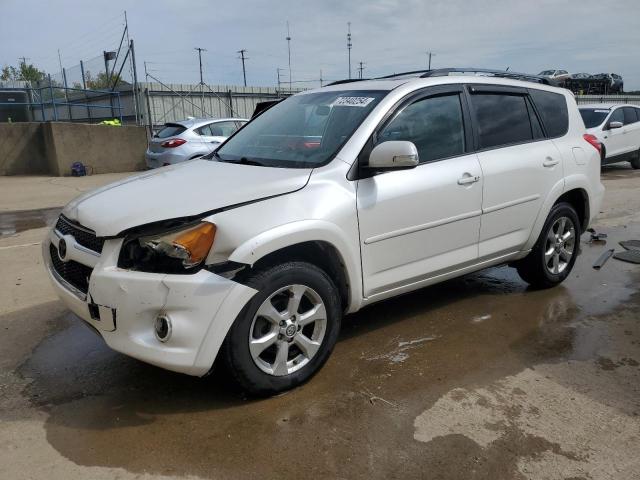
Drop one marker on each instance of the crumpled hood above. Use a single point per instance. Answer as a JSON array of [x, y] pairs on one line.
[[182, 190]]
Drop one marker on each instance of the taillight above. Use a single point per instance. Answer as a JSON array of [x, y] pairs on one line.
[[593, 140], [173, 143]]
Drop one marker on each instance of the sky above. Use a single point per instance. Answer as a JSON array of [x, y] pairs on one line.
[[388, 36]]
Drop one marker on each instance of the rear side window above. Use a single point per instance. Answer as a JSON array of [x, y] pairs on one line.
[[630, 115], [433, 124], [501, 119], [170, 130], [553, 110]]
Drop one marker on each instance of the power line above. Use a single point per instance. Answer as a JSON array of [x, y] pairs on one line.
[[243, 58]]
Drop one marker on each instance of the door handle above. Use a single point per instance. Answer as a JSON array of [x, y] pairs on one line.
[[468, 179], [550, 162]]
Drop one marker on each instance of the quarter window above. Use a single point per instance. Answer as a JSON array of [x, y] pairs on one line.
[[433, 124], [553, 110], [501, 119]]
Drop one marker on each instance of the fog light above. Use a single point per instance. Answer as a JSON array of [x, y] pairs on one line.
[[162, 327]]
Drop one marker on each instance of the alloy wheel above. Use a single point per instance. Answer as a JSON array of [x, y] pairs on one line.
[[560, 245]]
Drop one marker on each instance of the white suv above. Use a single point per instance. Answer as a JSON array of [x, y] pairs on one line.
[[617, 127], [331, 200]]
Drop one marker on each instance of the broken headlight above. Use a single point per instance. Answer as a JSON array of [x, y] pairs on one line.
[[178, 251]]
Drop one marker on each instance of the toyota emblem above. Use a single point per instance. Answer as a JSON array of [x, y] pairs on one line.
[[62, 249]]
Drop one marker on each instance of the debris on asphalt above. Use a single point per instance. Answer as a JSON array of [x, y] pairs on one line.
[[630, 244], [602, 259], [596, 237], [631, 256]]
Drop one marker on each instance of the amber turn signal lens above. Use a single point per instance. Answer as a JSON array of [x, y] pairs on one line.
[[197, 242]]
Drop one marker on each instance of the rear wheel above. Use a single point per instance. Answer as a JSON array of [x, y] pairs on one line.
[[635, 163], [286, 332], [554, 253]]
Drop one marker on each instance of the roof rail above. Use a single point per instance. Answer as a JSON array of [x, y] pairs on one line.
[[442, 72], [346, 80]]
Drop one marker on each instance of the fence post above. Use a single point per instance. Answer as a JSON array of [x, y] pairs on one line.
[[86, 96], [119, 107], [66, 95], [150, 119], [53, 101], [44, 116], [136, 102]]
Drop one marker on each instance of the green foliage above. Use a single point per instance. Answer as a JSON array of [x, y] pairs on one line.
[[25, 72], [100, 81]]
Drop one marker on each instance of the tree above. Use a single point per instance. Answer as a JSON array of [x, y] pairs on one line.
[[101, 81], [24, 72]]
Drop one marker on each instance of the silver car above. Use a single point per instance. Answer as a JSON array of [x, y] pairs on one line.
[[188, 139]]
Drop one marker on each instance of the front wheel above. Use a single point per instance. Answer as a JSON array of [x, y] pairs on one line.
[[554, 253], [286, 332]]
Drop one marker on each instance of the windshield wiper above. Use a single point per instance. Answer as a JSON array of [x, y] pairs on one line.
[[241, 161]]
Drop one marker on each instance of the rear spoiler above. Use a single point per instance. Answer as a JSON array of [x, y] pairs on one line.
[[263, 106]]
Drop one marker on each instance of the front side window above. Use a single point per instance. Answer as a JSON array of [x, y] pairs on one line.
[[630, 115], [433, 124], [553, 110], [303, 131], [501, 119], [617, 116]]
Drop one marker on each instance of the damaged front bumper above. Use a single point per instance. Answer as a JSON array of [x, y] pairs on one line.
[[123, 305]]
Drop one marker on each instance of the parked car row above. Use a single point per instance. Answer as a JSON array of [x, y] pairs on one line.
[[189, 139], [585, 83]]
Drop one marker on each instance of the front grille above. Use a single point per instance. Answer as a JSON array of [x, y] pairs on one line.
[[72, 272], [83, 236]]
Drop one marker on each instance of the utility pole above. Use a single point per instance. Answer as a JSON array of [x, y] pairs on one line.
[[289, 50], [349, 45], [200, 50], [243, 58], [360, 68], [23, 60], [430, 54]]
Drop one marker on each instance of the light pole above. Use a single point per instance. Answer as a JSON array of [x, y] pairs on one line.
[[349, 45], [289, 50], [200, 50]]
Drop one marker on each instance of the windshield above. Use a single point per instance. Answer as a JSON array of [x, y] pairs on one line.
[[303, 131], [547, 72], [593, 117]]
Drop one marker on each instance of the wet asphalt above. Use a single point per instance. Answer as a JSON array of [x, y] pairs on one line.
[[416, 357]]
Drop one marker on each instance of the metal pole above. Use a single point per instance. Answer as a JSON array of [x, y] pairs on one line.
[[66, 97], [136, 102], [44, 116], [200, 50], [320, 78], [243, 58], [150, 120], [349, 45], [106, 67], [84, 85], [119, 107], [53, 101], [289, 50]]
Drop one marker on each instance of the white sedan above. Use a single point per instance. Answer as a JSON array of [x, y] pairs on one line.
[[617, 127]]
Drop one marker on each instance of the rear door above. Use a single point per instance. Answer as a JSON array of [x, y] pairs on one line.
[[417, 223], [213, 134], [519, 165], [632, 128]]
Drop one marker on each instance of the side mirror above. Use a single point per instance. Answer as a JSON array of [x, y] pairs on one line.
[[613, 125], [393, 154]]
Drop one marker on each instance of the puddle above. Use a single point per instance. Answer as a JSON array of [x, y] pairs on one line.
[[19, 221]]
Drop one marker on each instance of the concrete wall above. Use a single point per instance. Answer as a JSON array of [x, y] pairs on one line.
[[50, 148], [103, 149], [22, 150]]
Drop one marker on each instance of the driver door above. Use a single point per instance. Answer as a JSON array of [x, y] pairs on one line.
[[419, 223]]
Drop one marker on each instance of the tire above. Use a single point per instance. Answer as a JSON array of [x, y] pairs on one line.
[[635, 163], [266, 321], [550, 261]]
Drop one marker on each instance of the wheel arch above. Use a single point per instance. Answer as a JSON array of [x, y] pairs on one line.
[[320, 243]]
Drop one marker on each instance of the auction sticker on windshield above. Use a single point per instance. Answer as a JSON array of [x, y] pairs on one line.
[[352, 101]]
